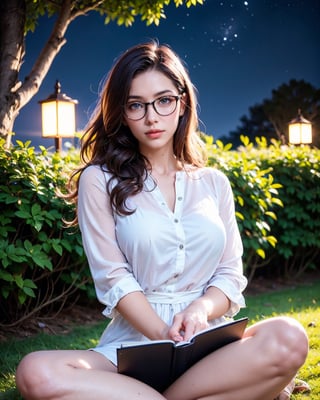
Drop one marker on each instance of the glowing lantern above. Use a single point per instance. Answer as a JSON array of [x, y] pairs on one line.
[[300, 130], [58, 116]]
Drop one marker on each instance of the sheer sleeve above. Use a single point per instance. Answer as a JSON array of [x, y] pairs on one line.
[[228, 276], [110, 270]]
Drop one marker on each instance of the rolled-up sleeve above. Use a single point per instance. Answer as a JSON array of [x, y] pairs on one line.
[[112, 275], [228, 276]]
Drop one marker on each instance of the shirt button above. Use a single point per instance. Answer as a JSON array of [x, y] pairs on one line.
[[179, 198], [176, 220], [181, 246]]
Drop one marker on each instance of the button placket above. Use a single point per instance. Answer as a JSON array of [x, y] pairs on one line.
[[179, 186], [156, 194]]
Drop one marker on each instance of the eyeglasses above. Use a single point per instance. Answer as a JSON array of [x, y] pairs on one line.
[[163, 106]]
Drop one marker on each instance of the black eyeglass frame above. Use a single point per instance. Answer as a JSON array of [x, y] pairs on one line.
[[146, 104]]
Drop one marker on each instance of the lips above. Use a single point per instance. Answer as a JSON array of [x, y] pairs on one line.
[[154, 133]]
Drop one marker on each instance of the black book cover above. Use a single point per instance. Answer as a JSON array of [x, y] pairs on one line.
[[159, 363]]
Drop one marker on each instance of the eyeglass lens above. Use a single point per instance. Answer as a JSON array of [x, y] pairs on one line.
[[164, 106]]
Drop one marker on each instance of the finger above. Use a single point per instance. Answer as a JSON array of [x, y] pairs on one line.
[[176, 328], [189, 330]]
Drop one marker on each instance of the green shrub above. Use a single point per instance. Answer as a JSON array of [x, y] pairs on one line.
[[297, 229], [42, 263], [277, 195], [256, 197]]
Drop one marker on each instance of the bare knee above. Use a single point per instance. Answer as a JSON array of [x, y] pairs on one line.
[[33, 377], [293, 342], [286, 344]]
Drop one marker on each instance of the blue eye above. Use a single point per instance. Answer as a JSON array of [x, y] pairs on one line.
[[135, 106], [165, 101]]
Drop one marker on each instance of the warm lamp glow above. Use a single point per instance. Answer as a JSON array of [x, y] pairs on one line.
[[58, 119], [58, 116], [300, 130]]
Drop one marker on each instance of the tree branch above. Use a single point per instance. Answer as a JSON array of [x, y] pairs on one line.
[[54, 44]]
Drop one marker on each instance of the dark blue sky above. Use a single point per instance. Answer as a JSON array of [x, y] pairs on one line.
[[236, 52]]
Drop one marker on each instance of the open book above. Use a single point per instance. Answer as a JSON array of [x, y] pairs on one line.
[[159, 363]]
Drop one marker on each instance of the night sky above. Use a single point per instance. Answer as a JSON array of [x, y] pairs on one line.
[[236, 53]]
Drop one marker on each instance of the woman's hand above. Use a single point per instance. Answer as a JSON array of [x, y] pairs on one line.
[[213, 304], [188, 322]]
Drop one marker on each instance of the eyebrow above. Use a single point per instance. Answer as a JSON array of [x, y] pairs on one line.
[[156, 95]]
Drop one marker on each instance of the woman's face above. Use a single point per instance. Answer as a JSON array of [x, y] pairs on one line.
[[153, 131]]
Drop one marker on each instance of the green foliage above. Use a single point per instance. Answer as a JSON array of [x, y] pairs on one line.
[[41, 261], [298, 226], [123, 12], [256, 197], [277, 196]]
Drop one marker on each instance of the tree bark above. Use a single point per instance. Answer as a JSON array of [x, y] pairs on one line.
[[12, 22], [14, 94]]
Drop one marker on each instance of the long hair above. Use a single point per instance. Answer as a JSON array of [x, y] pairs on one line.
[[108, 142]]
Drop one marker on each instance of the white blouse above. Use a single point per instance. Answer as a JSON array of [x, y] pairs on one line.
[[172, 257]]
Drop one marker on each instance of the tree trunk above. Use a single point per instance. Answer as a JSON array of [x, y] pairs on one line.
[[14, 94], [12, 22]]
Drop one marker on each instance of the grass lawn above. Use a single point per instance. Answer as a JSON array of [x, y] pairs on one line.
[[301, 302]]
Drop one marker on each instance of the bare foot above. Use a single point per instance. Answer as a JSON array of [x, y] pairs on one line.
[[285, 394], [295, 386]]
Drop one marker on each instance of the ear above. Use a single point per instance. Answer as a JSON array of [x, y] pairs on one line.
[[182, 104]]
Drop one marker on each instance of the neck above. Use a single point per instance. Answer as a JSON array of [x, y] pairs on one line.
[[164, 165], [164, 171]]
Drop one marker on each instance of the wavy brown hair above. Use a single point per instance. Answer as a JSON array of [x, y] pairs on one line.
[[109, 143]]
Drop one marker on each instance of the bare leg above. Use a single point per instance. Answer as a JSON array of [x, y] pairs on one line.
[[257, 367], [77, 375]]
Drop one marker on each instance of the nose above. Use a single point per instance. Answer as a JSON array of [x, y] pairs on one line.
[[151, 114]]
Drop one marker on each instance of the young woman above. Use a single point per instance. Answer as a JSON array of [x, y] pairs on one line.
[[162, 242]]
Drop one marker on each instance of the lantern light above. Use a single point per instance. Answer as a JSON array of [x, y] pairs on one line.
[[300, 130], [58, 116]]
